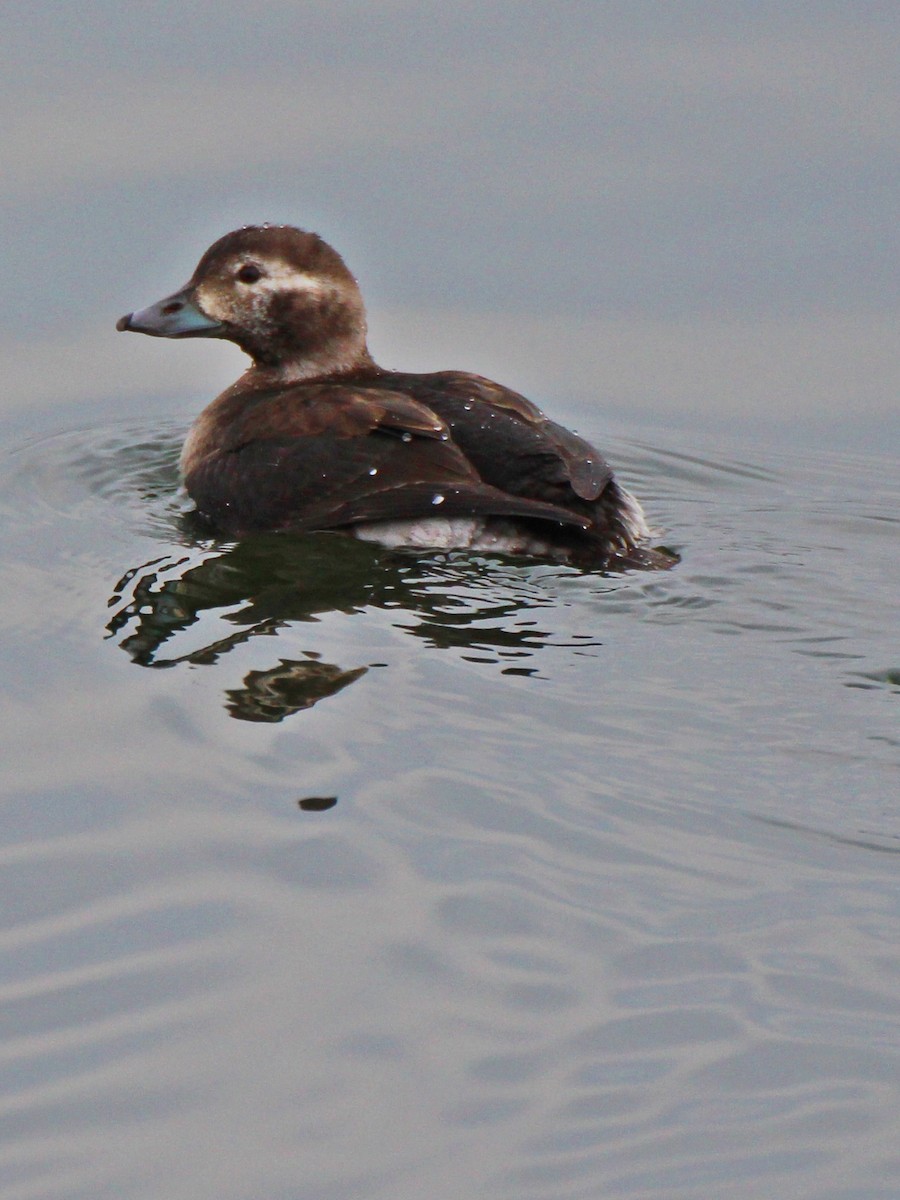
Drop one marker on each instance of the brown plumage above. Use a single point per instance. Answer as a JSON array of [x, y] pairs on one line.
[[315, 435]]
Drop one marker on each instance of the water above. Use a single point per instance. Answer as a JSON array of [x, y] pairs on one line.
[[331, 871]]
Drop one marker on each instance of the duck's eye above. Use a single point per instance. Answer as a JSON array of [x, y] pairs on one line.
[[249, 273]]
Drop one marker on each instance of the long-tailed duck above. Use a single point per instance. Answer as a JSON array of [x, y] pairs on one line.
[[315, 435]]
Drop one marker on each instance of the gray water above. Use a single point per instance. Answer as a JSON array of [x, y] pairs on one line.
[[330, 871]]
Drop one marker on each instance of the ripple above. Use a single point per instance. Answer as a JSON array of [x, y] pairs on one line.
[[889, 678], [547, 940], [117, 473]]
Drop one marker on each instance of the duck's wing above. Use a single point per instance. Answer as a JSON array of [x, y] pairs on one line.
[[509, 440], [323, 456]]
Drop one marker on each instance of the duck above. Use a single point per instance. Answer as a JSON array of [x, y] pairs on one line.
[[315, 435]]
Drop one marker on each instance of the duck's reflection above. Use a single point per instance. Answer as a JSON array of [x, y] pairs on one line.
[[263, 584], [259, 584], [291, 686]]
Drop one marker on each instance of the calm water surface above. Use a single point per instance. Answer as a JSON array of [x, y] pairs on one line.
[[332, 872]]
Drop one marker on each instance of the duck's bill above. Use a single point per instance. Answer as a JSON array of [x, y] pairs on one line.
[[175, 317]]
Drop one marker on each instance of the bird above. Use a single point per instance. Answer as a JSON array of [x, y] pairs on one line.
[[315, 435]]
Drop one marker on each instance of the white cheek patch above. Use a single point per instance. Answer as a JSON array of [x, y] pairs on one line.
[[213, 304], [281, 277], [248, 302]]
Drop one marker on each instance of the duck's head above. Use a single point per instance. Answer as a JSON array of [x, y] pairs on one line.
[[283, 295]]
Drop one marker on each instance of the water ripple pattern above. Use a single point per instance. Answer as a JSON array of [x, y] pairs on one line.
[[332, 871]]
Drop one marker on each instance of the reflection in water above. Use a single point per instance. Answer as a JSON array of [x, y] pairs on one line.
[[260, 585], [263, 584], [267, 581], [291, 686]]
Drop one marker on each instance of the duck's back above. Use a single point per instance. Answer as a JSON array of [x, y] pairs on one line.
[[507, 438], [331, 454]]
